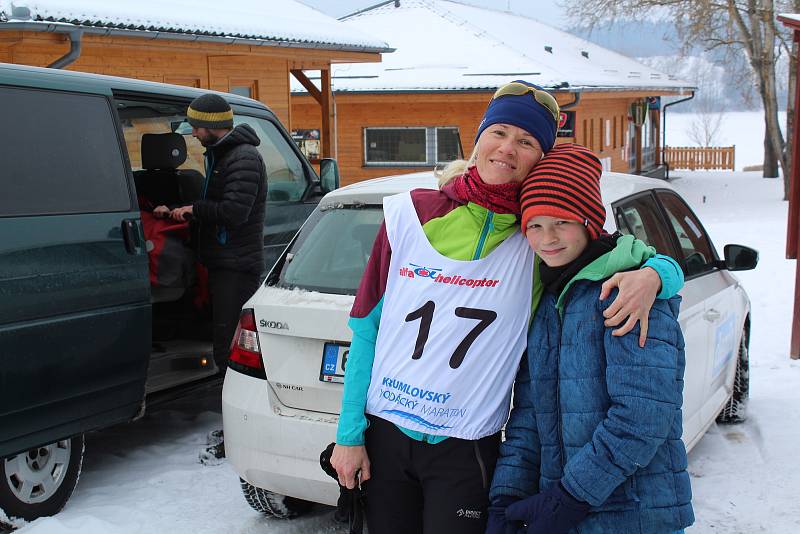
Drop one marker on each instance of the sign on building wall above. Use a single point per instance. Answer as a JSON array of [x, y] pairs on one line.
[[566, 124], [308, 142]]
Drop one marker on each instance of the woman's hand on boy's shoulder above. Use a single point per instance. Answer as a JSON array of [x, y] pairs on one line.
[[637, 293]]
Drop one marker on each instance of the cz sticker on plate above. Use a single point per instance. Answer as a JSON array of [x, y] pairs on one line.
[[334, 361]]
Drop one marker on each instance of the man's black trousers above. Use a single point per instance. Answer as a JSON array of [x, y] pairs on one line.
[[416, 487], [229, 291]]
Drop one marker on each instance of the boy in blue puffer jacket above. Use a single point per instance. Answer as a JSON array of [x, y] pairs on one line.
[[593, 442]]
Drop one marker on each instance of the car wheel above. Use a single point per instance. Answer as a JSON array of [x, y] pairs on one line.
[[273, 504], [734, 410], [39, 482]]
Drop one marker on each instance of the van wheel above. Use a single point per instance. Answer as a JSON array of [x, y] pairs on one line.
[[273, 504], [734, 410], [39, 482]]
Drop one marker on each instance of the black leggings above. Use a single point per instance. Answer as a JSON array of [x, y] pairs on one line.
[[417, 487]]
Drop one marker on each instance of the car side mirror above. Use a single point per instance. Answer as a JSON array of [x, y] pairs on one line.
[[328, 174], [740, 258]]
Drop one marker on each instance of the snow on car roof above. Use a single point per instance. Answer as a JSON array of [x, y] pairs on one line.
[[444, 45], [285, 21]]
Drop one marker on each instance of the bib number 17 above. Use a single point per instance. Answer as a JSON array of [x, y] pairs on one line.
[[425, 315]]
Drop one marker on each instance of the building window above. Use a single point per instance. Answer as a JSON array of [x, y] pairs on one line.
[[448, 145], [411, 146], [614, 135], [248, 88], [188, 82], [623, 121], [585, 133], [602, 135]]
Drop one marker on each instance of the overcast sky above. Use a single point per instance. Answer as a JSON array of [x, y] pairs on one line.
[[544, 10]]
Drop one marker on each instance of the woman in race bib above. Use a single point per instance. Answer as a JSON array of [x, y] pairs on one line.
[[440, 324]]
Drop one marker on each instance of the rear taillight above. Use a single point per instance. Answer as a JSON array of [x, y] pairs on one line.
[[245, 355]]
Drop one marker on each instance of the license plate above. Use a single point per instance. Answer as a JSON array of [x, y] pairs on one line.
[[334, 360]]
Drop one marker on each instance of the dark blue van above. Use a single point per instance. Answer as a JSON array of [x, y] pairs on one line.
[[86, 329]]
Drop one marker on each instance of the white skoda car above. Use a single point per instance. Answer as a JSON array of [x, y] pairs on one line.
[[283, 387]]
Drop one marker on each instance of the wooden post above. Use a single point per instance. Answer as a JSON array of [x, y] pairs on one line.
[[792, 234], [324, 98], [328, 132]]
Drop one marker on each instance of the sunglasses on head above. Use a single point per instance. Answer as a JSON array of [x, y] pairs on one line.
[[540, 95]]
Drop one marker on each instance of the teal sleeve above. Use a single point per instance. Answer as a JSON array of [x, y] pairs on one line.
[[357, 375], [670, 272]]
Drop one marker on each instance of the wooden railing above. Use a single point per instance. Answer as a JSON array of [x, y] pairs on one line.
[[700, 158]]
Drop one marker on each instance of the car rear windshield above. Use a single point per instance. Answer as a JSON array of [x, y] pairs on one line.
[[332, 249]]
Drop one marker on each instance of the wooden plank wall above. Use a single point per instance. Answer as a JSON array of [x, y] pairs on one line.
[[194, 64], [601, 124], [596, 116]]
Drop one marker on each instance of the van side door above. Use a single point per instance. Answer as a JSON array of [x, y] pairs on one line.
[[75, 326]]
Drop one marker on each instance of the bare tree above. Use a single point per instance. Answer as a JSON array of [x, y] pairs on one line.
[[748, 26], [705, 127]]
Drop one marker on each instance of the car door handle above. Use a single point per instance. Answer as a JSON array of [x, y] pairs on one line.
[[712, 315], [130, 235]]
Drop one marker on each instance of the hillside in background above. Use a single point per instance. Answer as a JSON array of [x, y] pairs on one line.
[[724, 83]]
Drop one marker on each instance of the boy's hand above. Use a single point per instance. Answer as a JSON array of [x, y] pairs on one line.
[[637, 292], [553, 511]]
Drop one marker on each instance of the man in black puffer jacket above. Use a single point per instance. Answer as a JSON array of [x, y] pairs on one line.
[[230, 214]]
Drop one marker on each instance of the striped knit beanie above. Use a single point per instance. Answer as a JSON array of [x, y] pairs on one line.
[[210, 111], [565, 184]]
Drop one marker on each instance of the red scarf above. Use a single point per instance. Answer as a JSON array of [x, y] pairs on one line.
[[499, 198]]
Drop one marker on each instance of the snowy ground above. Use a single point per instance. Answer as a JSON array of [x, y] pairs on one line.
[[144, 477]]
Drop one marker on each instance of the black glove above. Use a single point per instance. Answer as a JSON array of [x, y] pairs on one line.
[[553, 511], [350, 506], [497, 523]]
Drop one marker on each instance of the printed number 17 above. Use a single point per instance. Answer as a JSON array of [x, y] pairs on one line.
[[425, 314]]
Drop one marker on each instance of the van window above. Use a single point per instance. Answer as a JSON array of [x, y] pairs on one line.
[[59, 154], [286, 178], [332, 249]]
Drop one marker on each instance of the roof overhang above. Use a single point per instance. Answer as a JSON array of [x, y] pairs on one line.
[[105, 31]]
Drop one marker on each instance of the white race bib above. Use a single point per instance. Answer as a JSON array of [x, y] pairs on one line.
[[451, 332]]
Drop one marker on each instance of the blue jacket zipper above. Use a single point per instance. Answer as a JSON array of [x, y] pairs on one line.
[[488, 224]]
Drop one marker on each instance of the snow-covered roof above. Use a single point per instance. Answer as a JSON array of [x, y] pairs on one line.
[[445, 45], [286, 22]]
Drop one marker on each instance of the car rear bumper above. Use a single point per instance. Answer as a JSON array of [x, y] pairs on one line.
[[275, 447]]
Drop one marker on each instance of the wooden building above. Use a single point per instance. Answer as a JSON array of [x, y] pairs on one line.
[[247, 47], [422, 105]]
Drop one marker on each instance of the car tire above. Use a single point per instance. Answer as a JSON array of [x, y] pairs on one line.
[[40, 481], [734, 410], [273, 504]]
